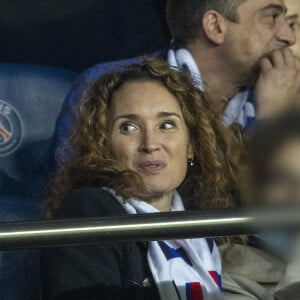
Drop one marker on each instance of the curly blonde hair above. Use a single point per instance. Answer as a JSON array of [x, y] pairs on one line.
[[213, 181]]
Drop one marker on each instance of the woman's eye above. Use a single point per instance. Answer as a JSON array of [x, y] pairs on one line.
[[168, 125], [128, 128]]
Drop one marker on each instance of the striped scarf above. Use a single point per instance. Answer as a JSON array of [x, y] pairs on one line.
[[240, 108], [182, 269]]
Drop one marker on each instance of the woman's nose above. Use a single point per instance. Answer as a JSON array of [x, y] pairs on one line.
[[149, 142]]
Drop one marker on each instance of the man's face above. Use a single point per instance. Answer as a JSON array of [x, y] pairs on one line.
[[293, 19], [261, 29]]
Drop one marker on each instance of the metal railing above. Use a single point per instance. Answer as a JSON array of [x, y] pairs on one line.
[[128, 228]]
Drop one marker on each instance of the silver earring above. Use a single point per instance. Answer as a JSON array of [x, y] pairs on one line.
[[191, 162]]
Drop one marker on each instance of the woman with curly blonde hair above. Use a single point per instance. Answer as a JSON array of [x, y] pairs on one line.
[[146, 141]]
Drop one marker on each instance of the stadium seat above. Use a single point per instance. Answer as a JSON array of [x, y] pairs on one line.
[[31, 98]]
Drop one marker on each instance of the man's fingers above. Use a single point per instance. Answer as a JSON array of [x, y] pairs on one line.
[[277, 59], [297, 63], [266, 65], [289, 57], [297, 81]]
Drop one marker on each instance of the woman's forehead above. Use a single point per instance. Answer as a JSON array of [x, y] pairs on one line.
[[144, 97]]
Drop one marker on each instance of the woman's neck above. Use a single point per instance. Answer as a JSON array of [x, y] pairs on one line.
[[162, 202]]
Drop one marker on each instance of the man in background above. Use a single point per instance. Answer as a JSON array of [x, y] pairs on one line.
[[239, 49], [293, 19], [235, 45]]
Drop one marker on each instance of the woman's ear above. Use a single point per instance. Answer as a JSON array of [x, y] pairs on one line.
[[214, 27], [191, 152]]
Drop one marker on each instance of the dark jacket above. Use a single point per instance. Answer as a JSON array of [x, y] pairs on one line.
[[119, 271]]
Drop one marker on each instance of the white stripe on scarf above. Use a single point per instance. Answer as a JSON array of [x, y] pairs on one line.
[[238, 109], [172, 275]]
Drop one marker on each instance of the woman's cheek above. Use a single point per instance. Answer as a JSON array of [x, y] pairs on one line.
[[124, 151]]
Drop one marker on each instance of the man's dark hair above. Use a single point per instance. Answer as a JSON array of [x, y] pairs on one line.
[[184, 17]]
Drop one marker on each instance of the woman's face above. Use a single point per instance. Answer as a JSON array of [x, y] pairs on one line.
[[283, 184], [149, 135]]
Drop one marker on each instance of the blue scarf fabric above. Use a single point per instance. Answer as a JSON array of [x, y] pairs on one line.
[[240, 108]]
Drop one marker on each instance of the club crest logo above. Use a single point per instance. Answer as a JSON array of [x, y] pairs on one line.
[[10, 128]]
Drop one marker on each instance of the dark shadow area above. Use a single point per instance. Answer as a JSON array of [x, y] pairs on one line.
[[78, 34]]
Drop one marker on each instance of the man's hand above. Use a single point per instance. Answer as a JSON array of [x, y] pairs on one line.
[[278, 85]]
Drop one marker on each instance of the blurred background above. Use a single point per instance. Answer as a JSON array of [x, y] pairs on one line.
[[77, 34]]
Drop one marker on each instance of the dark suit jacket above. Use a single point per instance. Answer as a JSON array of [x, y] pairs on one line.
[[119, 271]]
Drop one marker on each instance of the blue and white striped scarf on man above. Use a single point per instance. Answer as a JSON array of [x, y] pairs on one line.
[[240, 108]]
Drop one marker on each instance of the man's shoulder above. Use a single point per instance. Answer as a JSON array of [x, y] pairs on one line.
[[100, 69], [96, 71], [93, 73]]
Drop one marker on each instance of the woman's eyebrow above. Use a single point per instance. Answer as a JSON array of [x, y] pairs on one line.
[[128, 116], [134, 117], [164, 114]]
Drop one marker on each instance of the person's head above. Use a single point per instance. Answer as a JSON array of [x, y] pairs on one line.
[[276, 161], [237, 33], [138, 129], [293, 19], [148, 134]]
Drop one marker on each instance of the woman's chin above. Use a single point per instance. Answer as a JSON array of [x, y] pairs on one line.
[[160, 184], [157, 191]]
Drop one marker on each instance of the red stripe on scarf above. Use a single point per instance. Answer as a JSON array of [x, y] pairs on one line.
[[214, 276], [196, 291]]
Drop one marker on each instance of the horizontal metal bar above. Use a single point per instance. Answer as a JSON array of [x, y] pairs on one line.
[[147, 227]]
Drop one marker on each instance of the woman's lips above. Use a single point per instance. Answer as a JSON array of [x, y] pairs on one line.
[[151, 166]]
